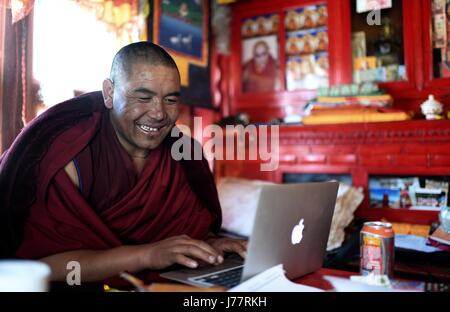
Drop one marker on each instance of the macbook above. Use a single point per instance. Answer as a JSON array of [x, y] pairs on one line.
[[291, 227]]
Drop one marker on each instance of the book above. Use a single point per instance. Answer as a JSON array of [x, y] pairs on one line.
[[440, 236], [355, 99]]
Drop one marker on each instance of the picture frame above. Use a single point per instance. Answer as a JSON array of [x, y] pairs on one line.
[[181, 27], [260, 64]]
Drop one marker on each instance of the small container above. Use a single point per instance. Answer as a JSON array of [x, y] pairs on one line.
[[24, 276], [431, 108], [377, 249]]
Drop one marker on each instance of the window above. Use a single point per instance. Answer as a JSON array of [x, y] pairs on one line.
[[72, 51]]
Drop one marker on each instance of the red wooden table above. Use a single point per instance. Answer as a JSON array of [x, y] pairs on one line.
[[316, 279]]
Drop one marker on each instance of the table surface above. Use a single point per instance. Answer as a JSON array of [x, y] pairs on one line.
[[316, 279]]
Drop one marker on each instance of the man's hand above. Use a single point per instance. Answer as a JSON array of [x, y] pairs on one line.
[[101, 264], [178, 250], [222, 245]]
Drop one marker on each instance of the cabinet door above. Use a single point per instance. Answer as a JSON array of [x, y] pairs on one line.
[[384, 44], [436, 38]]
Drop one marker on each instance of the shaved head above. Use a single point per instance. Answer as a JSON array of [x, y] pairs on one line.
[[143, 52]]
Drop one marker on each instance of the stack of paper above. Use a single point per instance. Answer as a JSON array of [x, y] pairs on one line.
[[441, 236], [272, 280]]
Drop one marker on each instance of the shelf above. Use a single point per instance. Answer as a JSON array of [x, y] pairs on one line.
[[403, 215]]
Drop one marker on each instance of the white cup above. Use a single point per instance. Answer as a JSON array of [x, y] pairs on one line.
[[24, 276]]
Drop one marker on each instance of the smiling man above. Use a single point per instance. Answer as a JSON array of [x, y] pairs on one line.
[[92, 180]]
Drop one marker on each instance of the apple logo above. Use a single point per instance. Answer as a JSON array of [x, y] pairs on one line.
[[297, 233]]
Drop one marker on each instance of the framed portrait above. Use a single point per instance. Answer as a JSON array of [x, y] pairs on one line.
[[181, 26], [260, 64]]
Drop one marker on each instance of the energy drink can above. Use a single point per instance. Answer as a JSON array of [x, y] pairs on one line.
[[377, 249]]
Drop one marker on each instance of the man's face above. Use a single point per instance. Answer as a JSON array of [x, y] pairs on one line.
[[144, 106], [261, 55]]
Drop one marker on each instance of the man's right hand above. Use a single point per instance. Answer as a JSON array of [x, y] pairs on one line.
[[97, 265], [178, 250]]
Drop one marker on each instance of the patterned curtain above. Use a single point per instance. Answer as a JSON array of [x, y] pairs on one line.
[[127, 18], [17, 83], [19, 8]]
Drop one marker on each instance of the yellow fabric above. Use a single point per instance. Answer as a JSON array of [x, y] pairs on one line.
[[225, 1], [410, 229], [355, 116], [127, 18], [20, 9], [183, 68], [384, 97]]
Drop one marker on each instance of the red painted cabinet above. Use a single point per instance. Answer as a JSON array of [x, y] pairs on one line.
[[360, 153], [414, 34]]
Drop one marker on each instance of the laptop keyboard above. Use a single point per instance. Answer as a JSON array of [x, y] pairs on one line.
[[228, 279]]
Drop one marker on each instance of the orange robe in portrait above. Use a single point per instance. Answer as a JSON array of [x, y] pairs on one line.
[[259, 80]]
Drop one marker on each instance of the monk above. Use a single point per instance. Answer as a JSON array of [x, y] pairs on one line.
[[92, 180], [260, 72]]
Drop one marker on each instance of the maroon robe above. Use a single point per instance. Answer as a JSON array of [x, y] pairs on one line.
[[45, 213], [260, 81]]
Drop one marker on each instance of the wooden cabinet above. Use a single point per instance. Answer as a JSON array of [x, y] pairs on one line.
[[359, 152], [417, 57]]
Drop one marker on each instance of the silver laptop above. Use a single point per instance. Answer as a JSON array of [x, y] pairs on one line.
[[291, 227]]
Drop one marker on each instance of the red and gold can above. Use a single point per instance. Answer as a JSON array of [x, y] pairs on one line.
[[377, 249]]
